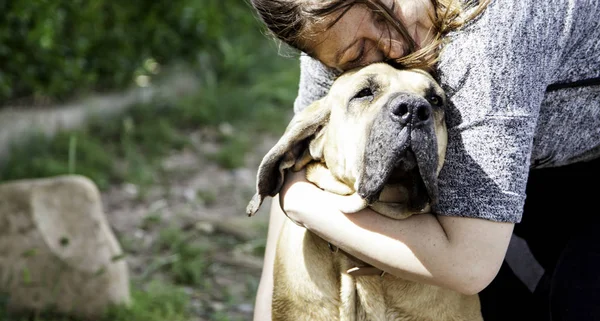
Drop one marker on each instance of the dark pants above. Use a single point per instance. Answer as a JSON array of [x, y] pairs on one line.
[[561, 224]]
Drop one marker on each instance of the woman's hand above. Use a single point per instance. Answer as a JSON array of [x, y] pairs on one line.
[[291, 204], [299, 197]]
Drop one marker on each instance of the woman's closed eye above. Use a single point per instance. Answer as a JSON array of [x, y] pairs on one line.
[[359, 56], [366, 54], [356, 58]]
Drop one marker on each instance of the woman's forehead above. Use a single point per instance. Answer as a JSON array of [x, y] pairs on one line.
[[326, 40]]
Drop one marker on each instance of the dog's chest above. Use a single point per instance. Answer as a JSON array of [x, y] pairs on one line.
[[381, 298], [389, 298], [378, 297], [307, 273]]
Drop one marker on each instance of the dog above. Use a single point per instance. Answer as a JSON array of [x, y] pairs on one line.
[[378, 138]]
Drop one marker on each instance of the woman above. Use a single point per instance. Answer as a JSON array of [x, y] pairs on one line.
[[523, 128]]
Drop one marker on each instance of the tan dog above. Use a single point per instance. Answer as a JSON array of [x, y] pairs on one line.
[[379, 137]]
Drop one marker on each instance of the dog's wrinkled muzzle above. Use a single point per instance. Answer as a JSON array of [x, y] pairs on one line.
[[402, 142]]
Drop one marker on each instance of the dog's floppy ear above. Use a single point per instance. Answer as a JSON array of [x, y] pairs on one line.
[[292, 147]]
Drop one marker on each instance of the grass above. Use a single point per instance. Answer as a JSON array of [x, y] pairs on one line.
[[245, 84], [247, 88], [188, 261], [155, 302]]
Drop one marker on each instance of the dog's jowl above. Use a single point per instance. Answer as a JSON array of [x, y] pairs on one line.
[[379, 138]]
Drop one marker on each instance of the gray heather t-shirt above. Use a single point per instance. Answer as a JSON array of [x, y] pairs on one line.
[[501, 120]]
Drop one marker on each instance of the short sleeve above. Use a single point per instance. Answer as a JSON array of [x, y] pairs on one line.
[[495, 73]]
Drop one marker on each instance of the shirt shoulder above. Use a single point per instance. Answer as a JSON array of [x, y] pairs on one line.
[[495, 72]]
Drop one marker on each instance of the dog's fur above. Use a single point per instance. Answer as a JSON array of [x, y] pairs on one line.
[[379, 137]]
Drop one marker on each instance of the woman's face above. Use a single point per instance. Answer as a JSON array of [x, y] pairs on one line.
[[362, 37]]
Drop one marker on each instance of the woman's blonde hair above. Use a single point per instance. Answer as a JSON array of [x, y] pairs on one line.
[[288, 19]]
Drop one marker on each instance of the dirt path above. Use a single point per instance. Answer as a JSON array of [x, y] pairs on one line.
[[203, 205]]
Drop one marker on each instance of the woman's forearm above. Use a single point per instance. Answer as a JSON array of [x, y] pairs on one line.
[[462, 254]]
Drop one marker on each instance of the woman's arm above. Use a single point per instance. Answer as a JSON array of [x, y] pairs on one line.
[[462, 254], [262, 306]]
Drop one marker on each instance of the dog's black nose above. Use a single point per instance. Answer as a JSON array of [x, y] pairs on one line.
[[411, 109]]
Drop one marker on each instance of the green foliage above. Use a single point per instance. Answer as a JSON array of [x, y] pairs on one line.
[[154, 302], [188, 258], [232, 152], [96, 152], [58, 48], [157, 302], [244, 82]]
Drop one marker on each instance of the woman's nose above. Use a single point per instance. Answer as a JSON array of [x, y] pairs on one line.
[[391, 48]]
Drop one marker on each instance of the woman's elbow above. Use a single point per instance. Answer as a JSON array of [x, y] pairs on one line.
[[476, 252], [473, 281], [473, 285]]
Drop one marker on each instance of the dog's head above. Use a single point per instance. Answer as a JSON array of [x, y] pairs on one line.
[[377, 127]]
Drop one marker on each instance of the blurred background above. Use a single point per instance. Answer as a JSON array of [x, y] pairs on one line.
[[167, 108]]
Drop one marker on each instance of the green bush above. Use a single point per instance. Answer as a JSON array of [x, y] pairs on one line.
[[244, 82], [55, 49]]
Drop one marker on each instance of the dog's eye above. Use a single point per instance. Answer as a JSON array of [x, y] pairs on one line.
[[364, 93], [435, 100]]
